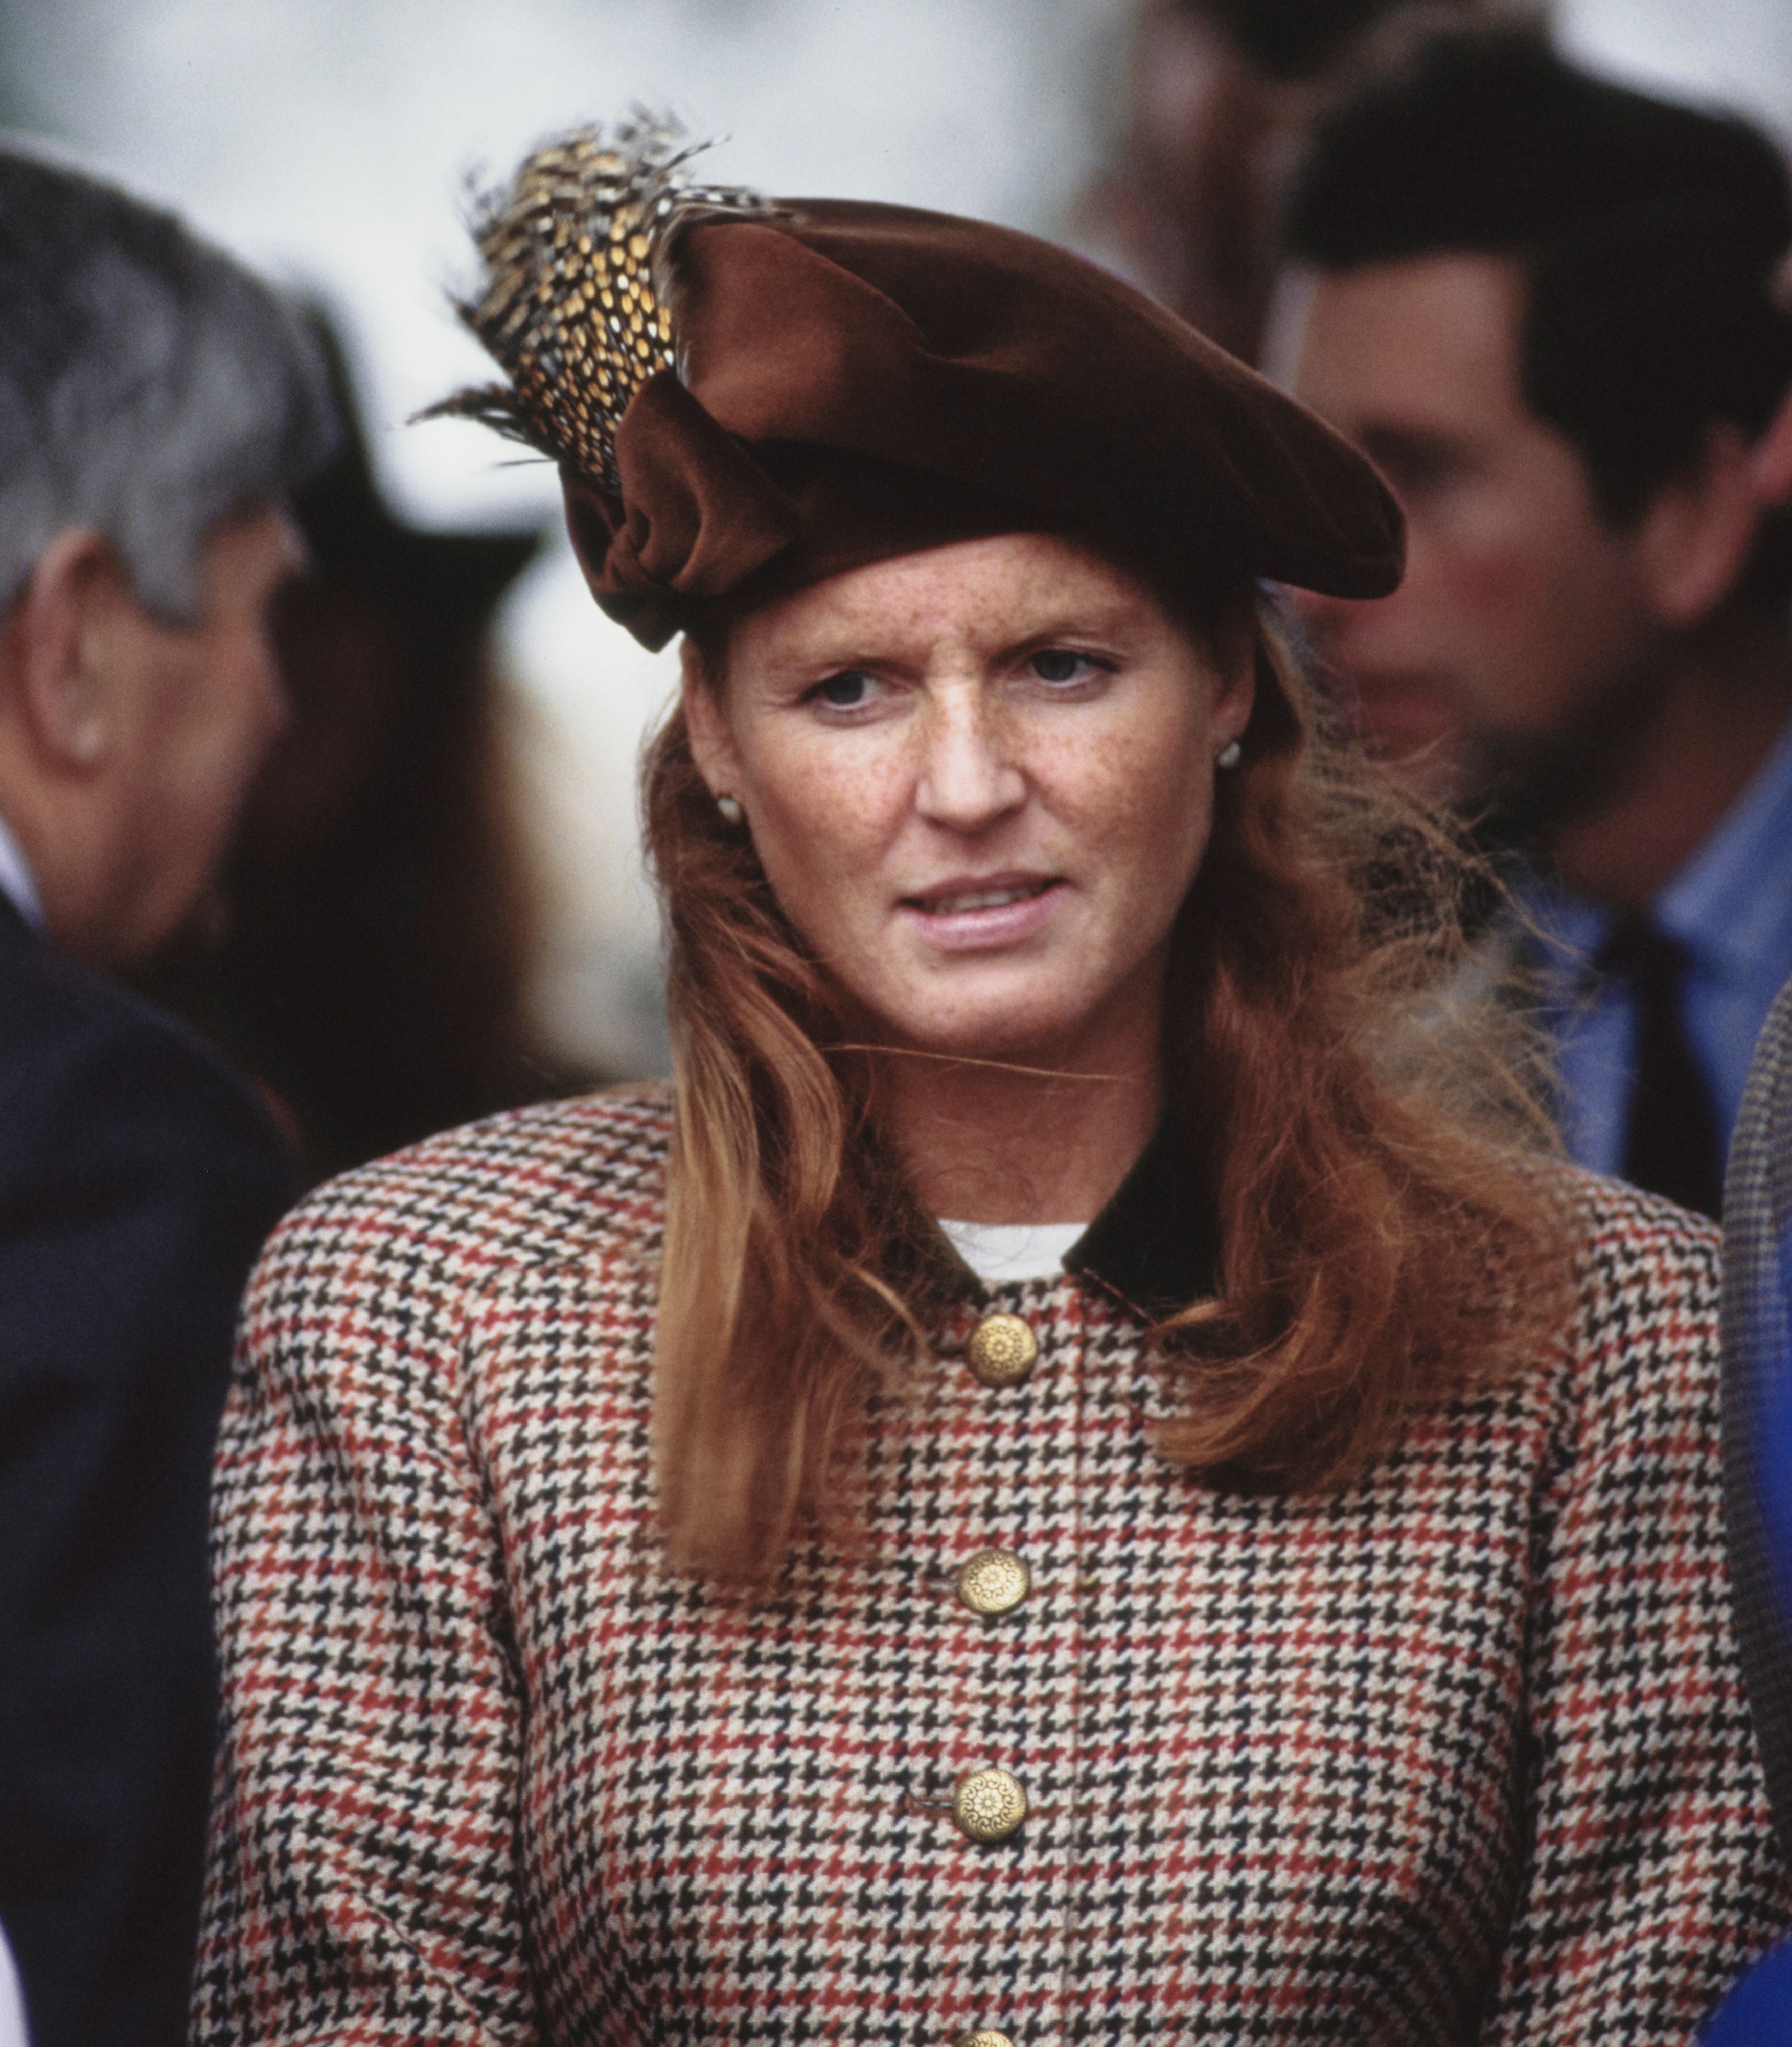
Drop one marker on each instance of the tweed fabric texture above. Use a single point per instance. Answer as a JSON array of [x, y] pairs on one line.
[[1458, 1754]]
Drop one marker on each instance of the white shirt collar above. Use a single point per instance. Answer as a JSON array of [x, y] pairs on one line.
[[16, 879], [12, 2000], [1000, 1252]]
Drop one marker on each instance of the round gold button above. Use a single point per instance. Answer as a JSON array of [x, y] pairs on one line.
[[985, 2036], [988, 1805], [993, 1582], [1001, 1350]]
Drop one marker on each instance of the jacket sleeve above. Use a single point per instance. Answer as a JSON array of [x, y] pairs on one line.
[[362, 1884], [1653, 1876], [137, 1180]]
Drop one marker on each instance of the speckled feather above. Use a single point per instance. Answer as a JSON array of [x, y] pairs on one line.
[[575, 308]]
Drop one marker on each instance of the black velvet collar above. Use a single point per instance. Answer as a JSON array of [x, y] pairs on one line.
[[1156, 1245]]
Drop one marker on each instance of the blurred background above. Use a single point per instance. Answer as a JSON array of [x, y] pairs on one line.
[[330, 142]]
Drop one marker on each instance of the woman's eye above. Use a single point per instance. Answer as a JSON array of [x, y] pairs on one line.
[[847, 690]]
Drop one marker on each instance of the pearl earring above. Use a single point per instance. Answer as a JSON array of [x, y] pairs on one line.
[[1229, 755], [731, 809]]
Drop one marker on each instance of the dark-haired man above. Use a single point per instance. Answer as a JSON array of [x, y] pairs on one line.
[[1219, 97], [1542, 303], [155, 404]]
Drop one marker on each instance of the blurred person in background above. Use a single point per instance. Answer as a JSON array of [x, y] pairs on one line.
[[1758, 1399], [1543, 304], [156, 405], [380, 916], [1220, 95]]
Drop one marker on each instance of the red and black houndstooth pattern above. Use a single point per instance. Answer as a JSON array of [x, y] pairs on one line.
[[1460, 1754]]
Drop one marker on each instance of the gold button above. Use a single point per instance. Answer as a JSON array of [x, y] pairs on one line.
[[993, 1582], [988, 1805], [1001, 1350], [985, 2036]]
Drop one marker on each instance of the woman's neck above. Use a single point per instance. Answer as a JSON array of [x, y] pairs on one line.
[[994, 1142]]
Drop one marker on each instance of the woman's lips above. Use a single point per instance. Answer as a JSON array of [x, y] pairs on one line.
[[965, 916]]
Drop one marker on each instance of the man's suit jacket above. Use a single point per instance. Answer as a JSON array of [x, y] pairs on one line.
[[137, 1179]]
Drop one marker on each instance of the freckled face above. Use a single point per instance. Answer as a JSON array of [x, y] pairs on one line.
[[980, 781]]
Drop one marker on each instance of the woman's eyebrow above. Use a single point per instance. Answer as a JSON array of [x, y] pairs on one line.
[[838, 657], [828, 656], [1106, 623]]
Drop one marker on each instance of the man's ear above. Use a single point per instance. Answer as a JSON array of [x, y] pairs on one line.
[[63, 632], [711, 743], [1694, 541], [1772, 460]]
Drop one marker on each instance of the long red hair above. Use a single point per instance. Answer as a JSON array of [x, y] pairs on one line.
[[1371, 1136]]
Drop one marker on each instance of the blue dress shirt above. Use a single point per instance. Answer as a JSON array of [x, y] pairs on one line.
[[1757, 1469], [1730, 906]]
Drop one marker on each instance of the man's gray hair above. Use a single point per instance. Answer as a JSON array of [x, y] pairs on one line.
[[150, 387]]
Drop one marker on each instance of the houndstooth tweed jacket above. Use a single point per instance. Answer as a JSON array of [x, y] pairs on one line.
[[1460, 1754]]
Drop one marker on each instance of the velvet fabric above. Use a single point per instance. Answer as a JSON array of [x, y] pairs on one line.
[[857, 382]]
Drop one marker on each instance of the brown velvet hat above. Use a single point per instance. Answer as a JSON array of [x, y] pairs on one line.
[[745, 397]]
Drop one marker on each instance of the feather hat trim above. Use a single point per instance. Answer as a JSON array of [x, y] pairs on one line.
[[577, 304]]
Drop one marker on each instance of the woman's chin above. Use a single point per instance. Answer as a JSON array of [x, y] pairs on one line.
[[1042, 1007], [1000, 1032]]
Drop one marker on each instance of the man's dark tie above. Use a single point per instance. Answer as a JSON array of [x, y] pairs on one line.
[[1672, 1145]]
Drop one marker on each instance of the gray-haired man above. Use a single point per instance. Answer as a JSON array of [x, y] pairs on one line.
[[156, 403]]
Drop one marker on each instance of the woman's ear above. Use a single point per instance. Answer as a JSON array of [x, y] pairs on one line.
[[712, 743], [1234, 653]]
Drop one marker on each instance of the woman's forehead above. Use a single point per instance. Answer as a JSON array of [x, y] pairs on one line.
[[1010, 587]]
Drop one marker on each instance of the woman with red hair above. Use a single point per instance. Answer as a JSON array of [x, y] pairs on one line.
[[1082, 1475]]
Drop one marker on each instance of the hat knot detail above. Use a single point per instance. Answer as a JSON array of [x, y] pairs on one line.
[[693, 516]]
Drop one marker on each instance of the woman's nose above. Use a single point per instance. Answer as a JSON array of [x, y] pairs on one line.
[[967, 779]]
